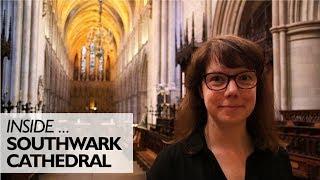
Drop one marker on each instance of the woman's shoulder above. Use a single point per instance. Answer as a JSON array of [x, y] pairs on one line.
[[171, 152], [284, 164], [173, 149], [163, 166], [279, 162], [281, 155], [278, 156], [178, 157]]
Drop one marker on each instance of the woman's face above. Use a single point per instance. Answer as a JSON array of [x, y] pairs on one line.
[[231, 105]]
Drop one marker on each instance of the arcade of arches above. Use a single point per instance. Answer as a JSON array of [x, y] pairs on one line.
[[131, 55]]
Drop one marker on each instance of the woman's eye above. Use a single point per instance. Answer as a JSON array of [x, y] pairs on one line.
[[245, 77], [217, 78]]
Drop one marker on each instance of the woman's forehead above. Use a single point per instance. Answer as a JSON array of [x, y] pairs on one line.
[[214, 66]]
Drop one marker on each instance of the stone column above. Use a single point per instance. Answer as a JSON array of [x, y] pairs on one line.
[[129, 49], [283, 56], [6, 75], [134, 106], [154, 70], [164, 41], [276, 58], [304, 65], [178, 23], [24, 81], [178, 80], [183, 79], [87, 74], [171, 50], [33, 72], [79, 69], [209, 16], [139, 33], [276, 70], [283, 70], [16, 53], [41, 52], [178, 39], [9, 13]]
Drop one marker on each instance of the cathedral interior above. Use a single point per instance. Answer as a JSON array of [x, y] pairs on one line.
[[130, 56]]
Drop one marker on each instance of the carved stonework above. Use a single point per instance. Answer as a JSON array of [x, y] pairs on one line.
[[44, 8], [41, 85]]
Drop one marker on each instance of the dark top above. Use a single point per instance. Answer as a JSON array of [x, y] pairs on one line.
[[192, 159]]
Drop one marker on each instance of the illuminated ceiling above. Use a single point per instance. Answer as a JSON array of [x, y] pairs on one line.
[[75, 18]]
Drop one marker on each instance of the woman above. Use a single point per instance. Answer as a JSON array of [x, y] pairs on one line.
[[230, 133]]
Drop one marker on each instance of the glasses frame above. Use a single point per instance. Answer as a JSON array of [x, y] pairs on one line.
[[204, 77]]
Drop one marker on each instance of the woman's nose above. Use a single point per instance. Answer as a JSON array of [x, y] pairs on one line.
[[232, 88]]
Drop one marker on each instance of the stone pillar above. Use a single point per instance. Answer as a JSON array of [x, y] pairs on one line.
[[24, 81], [79, 69], [178, 39], [87, 74], [154, 70], [183, 79], [16, 53], [9, 13], [178, 23], [304, 66], [283, 56], [41, 52], [178, 80], [129, 49], [210, 11], [164, 42], [6, 75], [276, 59], [171, 50], [296, 42], [134, 106], [33, 72], [276, 70], [283, 70], [139, 33]]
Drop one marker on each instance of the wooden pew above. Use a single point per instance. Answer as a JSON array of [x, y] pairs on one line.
[[149, 145], [300, 129]]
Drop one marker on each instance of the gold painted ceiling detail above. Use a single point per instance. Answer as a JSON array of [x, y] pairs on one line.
[[76, 18]]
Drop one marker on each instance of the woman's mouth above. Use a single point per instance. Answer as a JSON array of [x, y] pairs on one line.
[[231, 106]]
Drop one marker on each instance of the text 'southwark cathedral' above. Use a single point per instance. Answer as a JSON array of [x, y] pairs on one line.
[[132, 56]]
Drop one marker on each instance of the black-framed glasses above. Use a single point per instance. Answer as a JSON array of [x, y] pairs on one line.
[[219, 81]]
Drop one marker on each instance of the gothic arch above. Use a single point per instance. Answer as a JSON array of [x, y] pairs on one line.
[[227, 17], [303, 11]]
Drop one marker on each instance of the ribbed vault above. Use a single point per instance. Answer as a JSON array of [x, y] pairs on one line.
[[76, 18]]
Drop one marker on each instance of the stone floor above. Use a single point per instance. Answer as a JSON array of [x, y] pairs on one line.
[[138, 174]]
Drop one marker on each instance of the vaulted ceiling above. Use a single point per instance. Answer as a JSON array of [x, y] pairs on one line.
[[76, 18]]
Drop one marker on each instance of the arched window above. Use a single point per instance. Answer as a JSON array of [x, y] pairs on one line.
[[83, 63]]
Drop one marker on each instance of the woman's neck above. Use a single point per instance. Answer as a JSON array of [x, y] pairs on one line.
[[225, 136]]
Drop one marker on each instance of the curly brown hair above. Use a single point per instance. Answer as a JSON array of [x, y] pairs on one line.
[[230, 51]]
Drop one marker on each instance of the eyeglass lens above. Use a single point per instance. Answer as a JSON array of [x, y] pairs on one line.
[[217, 81]]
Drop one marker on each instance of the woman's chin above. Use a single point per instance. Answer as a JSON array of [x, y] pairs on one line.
[[232, 119]]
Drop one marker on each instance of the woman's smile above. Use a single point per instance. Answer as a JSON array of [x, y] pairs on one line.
[[233, 107]]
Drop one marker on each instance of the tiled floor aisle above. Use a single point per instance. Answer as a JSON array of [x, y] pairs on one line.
[[138, 174]]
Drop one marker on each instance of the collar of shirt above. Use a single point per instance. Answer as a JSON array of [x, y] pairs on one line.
[[196, 142]]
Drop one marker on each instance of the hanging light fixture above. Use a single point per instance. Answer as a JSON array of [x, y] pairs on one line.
[[98, 35], [98, 40]]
